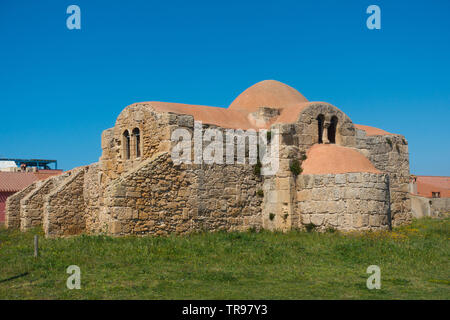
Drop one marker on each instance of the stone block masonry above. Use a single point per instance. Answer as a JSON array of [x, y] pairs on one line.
[[349, 201], [389, 154], [13, 205], [160, 198], [429, 207], [93, 195], [64, 207], [32, 205]]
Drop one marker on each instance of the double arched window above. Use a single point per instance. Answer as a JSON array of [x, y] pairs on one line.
[[131, 144], [326, 131]]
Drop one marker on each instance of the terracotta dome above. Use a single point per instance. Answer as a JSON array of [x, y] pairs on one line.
[[330, 158], [267, 93], [372, 131]]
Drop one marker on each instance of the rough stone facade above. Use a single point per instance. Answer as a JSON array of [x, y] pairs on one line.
[[13, 206], [349, 201], [138, 188], [64, 206], [92, 195], [426, 207], [32, 205], [389, 153], [160, 197]]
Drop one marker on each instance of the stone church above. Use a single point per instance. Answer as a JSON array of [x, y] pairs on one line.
[[332, 174]]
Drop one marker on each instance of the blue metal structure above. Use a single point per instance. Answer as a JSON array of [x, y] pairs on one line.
[[42, 164]]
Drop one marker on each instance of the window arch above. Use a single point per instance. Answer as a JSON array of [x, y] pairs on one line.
[[320, 120], [332, 129], [137, 142], [126, 144]]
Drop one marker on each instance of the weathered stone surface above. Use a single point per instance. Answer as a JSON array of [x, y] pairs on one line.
[[12, 209], [136, 188], [354, 205], [64, 211], [32, 205]]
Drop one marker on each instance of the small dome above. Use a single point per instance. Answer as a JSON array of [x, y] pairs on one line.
[[330, 158], [267, 93]]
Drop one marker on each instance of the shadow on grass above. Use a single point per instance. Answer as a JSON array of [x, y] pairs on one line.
[[14, 277]]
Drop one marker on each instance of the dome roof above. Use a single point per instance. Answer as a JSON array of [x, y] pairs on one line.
[[372, 131], [267, 93], [330, 158]]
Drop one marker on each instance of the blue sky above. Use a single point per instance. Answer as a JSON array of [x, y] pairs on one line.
[[60, 88]]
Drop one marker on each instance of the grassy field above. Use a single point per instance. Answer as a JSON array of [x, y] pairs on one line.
[[414, 262]]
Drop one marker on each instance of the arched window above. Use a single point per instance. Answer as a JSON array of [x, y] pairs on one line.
[[332, 129], [137, 142], [320, 120], [126, 144]]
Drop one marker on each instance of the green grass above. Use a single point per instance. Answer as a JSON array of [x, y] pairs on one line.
[[414, 262]]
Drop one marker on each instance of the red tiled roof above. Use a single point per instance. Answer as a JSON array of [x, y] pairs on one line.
[[428, 184], [16, 181], [44, 174], [3, 197]]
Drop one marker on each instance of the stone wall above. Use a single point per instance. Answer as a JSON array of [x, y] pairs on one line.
[[32, 205], [93, 197], [306, 131], [227, 198], [12, 210], [389, 153], [279, 190], [159, 197], [440, 207], [294, 140], [64, 207], [429, 207], [349, 201], [155, 129]]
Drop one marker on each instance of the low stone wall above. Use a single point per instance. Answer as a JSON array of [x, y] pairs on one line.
[[440, 206], [349, 201], [12, 210], [426, 207], [32, 205], [159, 197], [64, 207], [149, 199]]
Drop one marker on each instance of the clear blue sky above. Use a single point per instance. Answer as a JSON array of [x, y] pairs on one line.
[[60, 88]]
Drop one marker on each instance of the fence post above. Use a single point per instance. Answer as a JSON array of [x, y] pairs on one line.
[[36, 248]]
